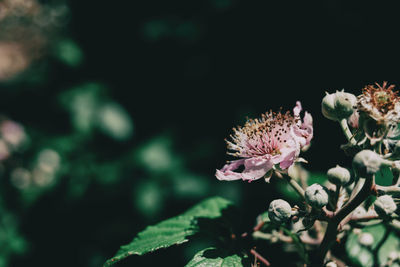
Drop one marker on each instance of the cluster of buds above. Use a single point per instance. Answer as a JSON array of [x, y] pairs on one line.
[[335, 208]]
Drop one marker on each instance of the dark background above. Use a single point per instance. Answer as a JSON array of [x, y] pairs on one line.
[[191, 70]]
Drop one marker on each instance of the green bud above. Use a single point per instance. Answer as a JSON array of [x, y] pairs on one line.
[[385, 205], [316, 196], [366, 163], [279, 211], [338, 175], [338, 106]]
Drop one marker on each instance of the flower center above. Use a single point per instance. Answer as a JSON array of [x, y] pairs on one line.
[[382, 97]]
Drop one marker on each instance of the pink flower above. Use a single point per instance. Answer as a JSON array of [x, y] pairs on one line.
[[270, 143]]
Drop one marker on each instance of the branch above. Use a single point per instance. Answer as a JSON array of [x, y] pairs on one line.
[[331, 232], [260, 258]]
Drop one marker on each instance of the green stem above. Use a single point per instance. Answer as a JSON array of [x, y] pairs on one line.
[[347, 132], [295, 186]]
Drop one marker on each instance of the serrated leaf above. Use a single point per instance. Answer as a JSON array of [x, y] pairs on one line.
[[172, 231], [214, 257], [162, 235]]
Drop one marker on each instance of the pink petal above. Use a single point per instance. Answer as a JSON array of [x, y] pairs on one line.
[[288, 160], [297, 109], [255, 168], [228, 175], [233, 165]]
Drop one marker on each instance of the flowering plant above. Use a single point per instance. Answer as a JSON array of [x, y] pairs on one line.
[[355, 206]]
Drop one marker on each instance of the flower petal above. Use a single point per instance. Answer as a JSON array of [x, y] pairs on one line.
[[228, 175], [288, 157], [297, 109], [255, 168], [233, 165]]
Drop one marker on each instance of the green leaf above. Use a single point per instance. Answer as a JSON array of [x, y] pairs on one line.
[[210, 208], [214, 257], [364, 256], [172, 231], [384, 176]]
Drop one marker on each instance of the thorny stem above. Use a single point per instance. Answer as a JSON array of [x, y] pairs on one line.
[[347, 132], [331, 232]]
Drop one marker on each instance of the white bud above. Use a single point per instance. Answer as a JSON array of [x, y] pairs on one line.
[[366, 163], [339, 175], [279, 211], [359, 211], [331, 264], [366, 239], [344, 104], [393, 255], [316, 196], [338, 106], [385, 205]]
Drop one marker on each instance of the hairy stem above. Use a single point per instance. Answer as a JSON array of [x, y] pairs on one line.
[[347, 132]]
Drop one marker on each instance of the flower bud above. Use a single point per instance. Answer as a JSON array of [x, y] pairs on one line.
[[316, 196], [338, 175], [359, 211], [385, 205], [331, 264], [344, 104], [366, 163], [279, 211], [366, 239], [338, 106]]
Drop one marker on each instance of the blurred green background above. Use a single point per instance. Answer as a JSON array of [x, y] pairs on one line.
[[113, 114]]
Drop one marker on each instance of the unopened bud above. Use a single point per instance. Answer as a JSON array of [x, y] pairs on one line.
[[366, 163], [385, 205], [279, 211], [359, 211], [331, 264], [366, 239], [338, 106], [344, 104], [316, 196], [338, 175]]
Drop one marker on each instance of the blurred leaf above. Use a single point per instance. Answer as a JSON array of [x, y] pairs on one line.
[[83, 102], [172, 231], [148, 198], [384, 176], [213, 257], [157, 155], [68, 52], [363, 256], [114, 121], [317, 177]]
